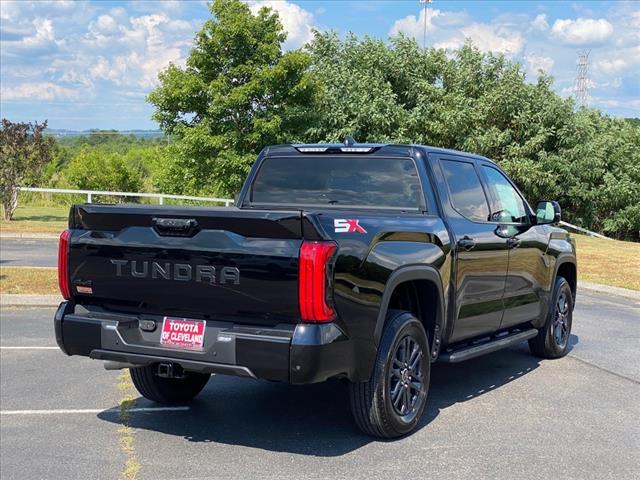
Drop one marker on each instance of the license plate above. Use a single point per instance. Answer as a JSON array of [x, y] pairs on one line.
[[183, 333]]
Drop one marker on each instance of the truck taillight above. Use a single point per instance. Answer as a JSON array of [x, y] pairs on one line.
[[313, 278], [63, 264]]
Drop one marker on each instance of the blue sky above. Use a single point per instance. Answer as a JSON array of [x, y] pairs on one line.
[[90, 64]]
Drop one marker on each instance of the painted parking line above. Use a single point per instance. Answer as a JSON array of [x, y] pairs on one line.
[[29, 348], [94, 410]]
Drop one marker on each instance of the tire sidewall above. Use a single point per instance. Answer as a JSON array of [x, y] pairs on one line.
[[561, 286], [404, 324]]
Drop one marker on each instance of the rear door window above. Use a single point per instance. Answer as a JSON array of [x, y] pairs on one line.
[[465, 190], [340, 181]]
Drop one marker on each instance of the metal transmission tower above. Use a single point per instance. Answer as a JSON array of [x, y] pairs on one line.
[[582, 79], [424, 14]]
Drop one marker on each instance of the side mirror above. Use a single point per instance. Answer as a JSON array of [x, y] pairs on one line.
[[548, 213]]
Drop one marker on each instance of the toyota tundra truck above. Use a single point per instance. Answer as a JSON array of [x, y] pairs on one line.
[[361, 262]]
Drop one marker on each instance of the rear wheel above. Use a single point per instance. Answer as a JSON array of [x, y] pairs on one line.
[[167, 390], [391, 403], [552, 340]]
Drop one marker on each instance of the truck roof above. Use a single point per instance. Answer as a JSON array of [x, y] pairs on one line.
[[376, 149]]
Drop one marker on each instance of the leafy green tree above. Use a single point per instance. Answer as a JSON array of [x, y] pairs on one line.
[[237, 93], [94, 170], [24, 150], [471, 101]]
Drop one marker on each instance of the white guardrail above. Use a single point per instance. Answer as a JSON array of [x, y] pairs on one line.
[[584, 230], [160, 196]]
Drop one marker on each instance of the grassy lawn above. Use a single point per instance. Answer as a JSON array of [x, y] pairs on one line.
[[29, 219], [28, 280], [609, 262]]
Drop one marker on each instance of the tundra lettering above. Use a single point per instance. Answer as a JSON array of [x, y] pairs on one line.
[[366, 263], [182, 272]]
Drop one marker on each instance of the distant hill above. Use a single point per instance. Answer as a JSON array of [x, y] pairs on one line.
[[62, 133]]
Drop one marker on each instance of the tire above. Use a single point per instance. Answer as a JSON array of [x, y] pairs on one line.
[[372, 402], [167, 390], [552, 340]]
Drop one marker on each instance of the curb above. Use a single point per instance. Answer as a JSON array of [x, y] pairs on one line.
[[33, 236], [18, 300], [607, 290]]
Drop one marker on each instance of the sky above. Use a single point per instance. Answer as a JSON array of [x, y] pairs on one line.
[[84, 65]]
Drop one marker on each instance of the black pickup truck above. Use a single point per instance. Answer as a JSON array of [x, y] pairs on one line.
[[362, 262]]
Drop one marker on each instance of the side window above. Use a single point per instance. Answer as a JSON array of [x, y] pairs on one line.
[[510, 206], [465, 189]]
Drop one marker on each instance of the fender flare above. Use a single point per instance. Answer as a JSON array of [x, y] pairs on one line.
[[408, 273], [563, 259]]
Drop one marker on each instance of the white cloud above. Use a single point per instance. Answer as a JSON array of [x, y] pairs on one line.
[[582, 31], [447, 30], [297, 21], [632, 104], [540, 22], [621, 61], [133, 54], [488, 38], [105, 24], [46, 91], [413, 26], [535, 63], [41, 40]]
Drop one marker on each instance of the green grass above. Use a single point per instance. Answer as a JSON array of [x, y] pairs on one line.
[[608, 262], [31, 219], [28, 280]]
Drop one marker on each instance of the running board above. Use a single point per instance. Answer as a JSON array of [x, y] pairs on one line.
[[491, 345]]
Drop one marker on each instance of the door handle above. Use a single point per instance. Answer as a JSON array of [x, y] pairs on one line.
[[466, 243], [513, 242]]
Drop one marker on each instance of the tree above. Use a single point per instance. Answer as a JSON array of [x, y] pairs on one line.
[[472, 101], [95, 170], [237, 93], [24, 150]]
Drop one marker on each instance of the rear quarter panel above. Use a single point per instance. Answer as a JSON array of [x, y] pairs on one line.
[[365, 262]]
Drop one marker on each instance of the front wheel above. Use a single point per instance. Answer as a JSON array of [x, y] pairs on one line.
[[391, 403], [552, 340], [167, 390]]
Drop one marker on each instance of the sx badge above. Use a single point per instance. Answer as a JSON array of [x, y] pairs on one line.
[[348, 225]]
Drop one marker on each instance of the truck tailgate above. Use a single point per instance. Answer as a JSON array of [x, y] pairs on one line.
[[213, 263]]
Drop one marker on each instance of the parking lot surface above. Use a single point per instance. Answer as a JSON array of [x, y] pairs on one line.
[[507, 415], [26, 252]]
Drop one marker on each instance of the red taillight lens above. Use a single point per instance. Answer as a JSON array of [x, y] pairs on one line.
[[314, 258], [63, 264]]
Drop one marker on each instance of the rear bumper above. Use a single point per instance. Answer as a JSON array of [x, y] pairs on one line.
[[299, 354]]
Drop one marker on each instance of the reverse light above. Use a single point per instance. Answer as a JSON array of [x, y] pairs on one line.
[[313, 280], [356, 149], [63, 264]]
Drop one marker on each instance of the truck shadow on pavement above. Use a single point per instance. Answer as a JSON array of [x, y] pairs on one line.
[[315, 419]]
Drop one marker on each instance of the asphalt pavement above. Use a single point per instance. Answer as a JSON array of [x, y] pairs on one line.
[[506, 415], [26, 252]]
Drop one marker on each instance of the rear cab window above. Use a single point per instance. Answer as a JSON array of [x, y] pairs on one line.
[[338, 181], [465, 190]]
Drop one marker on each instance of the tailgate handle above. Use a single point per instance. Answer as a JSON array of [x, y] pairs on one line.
[[175, 225]]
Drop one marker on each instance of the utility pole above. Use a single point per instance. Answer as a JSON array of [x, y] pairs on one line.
[[424, 14], [582, 78]]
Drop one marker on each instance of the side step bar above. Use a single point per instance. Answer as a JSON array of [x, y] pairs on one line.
[[491, 345]]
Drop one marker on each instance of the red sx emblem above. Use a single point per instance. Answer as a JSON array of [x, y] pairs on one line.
[[348, 225]]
